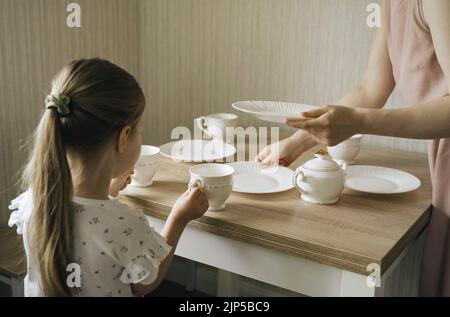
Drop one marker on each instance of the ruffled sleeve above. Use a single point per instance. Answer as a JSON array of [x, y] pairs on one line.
[[19, 208], [140, 250]]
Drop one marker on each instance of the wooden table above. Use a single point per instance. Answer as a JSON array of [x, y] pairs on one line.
[[310, 249], [12, 260]]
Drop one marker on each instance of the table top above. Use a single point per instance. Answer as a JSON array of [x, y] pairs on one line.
[[360, 229]]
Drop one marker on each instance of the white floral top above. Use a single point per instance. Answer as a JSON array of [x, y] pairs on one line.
[[113, 245]]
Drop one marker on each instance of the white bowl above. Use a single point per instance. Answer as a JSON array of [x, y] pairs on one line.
[[146, 167], [149, 154], [354, 140], [346, 151]]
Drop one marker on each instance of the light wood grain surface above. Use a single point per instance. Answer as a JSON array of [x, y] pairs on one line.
[[360, 229]]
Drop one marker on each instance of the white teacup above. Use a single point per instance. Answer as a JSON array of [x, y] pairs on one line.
[[215, 125], [146, 166], [216, 180], [347, 151]]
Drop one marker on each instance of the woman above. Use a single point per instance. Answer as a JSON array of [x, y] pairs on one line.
[[410, 51]]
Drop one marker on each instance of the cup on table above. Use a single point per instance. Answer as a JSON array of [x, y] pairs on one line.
[[216, 180], [215, 125], [146, 166], [347, 151]]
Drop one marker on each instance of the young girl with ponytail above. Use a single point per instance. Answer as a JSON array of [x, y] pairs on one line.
[[87, 142]]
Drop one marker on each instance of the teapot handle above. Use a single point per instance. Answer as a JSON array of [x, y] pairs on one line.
[[295, 180]]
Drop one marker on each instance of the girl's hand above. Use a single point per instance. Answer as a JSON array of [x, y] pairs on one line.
[[119, 183], [280, 153], [192, 204], [330, 125]]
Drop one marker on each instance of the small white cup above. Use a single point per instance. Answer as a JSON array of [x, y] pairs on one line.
[[216, 180], [215, 125], [146, 167], [347, 151]]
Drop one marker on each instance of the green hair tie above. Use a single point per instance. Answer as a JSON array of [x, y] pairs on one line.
[[58, 102]]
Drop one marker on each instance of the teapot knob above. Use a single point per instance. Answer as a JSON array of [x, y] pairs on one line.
[[321, 154]]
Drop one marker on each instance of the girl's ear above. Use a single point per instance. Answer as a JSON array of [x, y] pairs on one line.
[[124, 135]]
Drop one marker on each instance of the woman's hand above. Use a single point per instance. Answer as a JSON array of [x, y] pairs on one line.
[[192, 204], [330, 125], [119, 183], [280, 153], [285, 152]]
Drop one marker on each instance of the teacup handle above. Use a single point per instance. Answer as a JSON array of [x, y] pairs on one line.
[[201, 123], [295, 180], [192, 182]]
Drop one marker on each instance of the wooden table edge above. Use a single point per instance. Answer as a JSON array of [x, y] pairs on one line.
[[357, 265]]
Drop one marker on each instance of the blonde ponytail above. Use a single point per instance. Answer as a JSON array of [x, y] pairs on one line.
[[48, 174], [100, 99]]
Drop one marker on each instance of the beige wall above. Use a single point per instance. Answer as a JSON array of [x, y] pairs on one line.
[[192, 57], [198, 56], [34, 43]]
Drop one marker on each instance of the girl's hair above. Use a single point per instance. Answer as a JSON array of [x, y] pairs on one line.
[[103, 98]]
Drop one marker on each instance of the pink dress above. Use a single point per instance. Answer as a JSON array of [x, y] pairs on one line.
[[420, 78]]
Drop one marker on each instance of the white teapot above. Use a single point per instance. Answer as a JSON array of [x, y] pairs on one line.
[[320, 180]]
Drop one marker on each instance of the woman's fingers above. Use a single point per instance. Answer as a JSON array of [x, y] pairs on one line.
[[262, 155], [264, 158], [267, 162], [308, 124], [315, 113], [313, 119], [283, 162]]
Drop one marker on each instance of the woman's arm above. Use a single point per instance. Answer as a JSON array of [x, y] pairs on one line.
[[378, 81], [431, 120], [372, 92]]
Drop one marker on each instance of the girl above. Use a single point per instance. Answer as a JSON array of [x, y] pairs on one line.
[[87, 141], [411, 51]]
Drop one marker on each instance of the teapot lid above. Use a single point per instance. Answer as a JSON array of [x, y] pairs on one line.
[[321, 163]]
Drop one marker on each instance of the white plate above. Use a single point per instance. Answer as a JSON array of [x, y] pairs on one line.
[[197, 150], [272, 111], [249, 178], [380, 180]]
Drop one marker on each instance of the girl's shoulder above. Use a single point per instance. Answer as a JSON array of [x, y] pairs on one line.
[[112, 211]]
